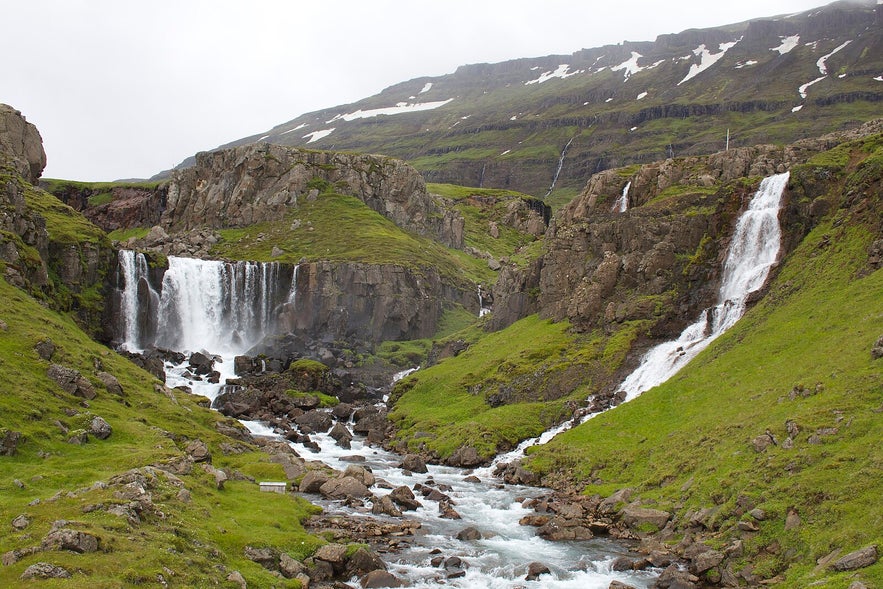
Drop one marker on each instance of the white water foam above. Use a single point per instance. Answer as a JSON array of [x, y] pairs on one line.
[[622, 203]]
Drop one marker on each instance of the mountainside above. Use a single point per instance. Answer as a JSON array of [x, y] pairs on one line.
[[534, 123]]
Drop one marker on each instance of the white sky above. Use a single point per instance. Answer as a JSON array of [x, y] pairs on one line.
[[123, 89]]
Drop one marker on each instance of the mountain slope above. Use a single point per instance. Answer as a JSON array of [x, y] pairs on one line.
[[530, 123]]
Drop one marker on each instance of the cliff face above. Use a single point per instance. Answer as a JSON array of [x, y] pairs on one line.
[[46, 248], [251, 184], [22, 144], [660, 260]]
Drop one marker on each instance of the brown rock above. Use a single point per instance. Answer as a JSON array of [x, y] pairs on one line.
[[198, 451], [414, 463], [9, 442], [71, 381], [333, 553], [385, 506], [313, 481], [362, 562], [404, 498], [380, 578], [344, 487], [634, 516], [535, 569], [111, 383]]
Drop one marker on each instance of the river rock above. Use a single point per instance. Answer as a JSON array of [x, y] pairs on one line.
[[705, 560], [317, 421], [858, 559], [362, 562], [535, 569], [341, 435], [464, 457], [333, 553], [313, 481], [44, 570], [468, 534], [361, 473], [414, 463], [380, 578], [674, 578], [344, 487], [289, 567], [201, 363], [634, 517], [619, 585], [404, 498], [385, 506]]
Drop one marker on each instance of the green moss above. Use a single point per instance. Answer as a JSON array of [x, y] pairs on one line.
[[342, 228], [324, 400], [125, 234]]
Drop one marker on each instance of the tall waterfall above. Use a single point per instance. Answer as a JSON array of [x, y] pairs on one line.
[[622, 203], [752, 253], [223, 307]]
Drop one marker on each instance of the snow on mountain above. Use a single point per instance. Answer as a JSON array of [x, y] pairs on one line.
[[823, 67], [788, 43], [562, 72], [630, 66], [707, 59], [401, 107]]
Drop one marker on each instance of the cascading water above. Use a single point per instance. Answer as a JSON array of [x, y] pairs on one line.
[[560, 166], [752, 252], [224, 307], [622, 203]]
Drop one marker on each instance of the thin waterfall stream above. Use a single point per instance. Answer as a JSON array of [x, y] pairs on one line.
[[753, 251]]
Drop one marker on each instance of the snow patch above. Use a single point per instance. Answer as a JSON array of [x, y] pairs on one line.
[[788, 43], [301, 126], [741, 64], [264, 137], [562, 72], [797, 108], [823, 67], [633, 129], [513, 117], [707, 59], [399, 108], [609, 100], [879, 78], [505, 152], [426, 88], [802, 90], [641, 95], [630, 66], [316, 135]]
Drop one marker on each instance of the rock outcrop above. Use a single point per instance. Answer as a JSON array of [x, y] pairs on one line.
[[245, 185], [20, 141]]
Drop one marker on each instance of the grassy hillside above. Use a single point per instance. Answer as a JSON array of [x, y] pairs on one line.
[[188, 541]]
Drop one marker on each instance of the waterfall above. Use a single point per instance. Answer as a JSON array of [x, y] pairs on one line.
[[225, 307], [560, 165], [482, 310], [622, 203], [135, 296], [752, 252]]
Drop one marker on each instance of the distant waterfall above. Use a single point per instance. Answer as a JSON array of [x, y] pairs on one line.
[[223, 307], [622, 203], [753, 251], [560, 165]]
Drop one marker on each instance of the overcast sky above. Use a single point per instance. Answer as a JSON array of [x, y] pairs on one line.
[[123, 89]]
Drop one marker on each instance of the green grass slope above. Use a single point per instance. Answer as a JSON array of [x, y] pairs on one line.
[[802, 356], [193, 542]]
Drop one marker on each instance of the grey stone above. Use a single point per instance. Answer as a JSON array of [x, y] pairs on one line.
[[45, 349], [21, 522], [111, 383], [344, 487], [312, 481], [100, 428], [404, 498], [858, 559], [535, 569], [9, 442], [73, 540], [414, 463], [44, 570], [634, 516], [333, 553], [71, 381]]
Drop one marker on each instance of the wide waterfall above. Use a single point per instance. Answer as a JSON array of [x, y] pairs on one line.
[[223, 307]]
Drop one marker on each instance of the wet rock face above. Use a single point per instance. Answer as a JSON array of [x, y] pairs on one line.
[[20, 141], [246, 185]]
